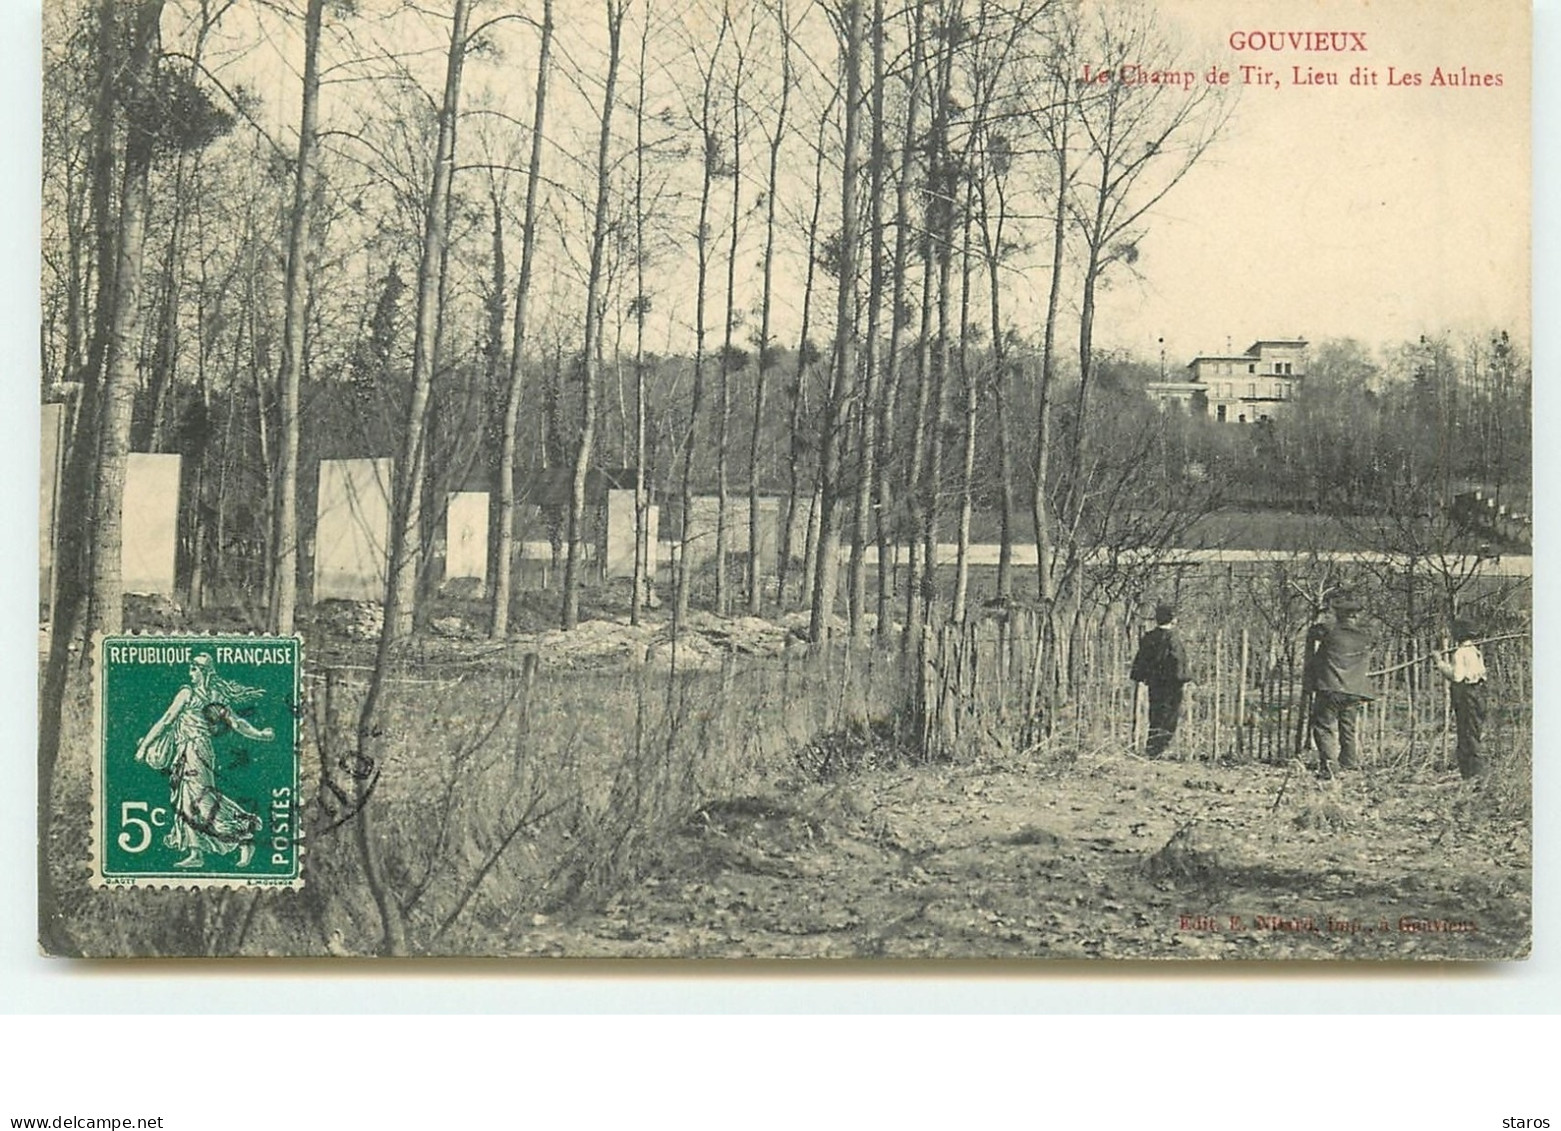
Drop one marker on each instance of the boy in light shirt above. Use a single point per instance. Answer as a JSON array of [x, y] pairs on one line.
[[1464, 669]]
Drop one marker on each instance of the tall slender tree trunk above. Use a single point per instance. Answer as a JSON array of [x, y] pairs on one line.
[[869, 437], [407, 517], [401, 584], [919, 568], [106, 601], [1045, 580], [722, 527], [504, 560], [755, 574], [495, 381], [165, 351], [844, 363], [971, 407], [1076, 496], [642, 548], [798, 398], [992, 247], [592, 359], [284, 542], [887, 531], [941, 236], [75, 611], [710, 155], [255, 362]]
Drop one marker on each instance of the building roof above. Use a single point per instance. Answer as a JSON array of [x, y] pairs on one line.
[[1254, 351]]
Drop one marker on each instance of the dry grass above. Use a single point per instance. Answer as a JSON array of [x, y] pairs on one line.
[[504, 797]]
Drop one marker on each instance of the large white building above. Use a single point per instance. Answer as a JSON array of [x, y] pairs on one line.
[[1239, 388]]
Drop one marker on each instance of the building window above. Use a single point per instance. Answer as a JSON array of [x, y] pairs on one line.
[[1252, 368], [1251, 388], [1219, 413]]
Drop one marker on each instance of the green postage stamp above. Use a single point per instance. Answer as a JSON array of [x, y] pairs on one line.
[[196, 762]]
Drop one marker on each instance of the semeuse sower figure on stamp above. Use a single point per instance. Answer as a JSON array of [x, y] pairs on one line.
[[1161, 665], [1464, 669], [204, 819], [1335, 676]]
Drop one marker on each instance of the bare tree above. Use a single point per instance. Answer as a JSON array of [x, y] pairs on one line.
[[639, 307], [88, 595], [731, 355], [897, 319], [804, 362], [123, 321], [710, 156], [401, 584], [503, 584], [868, 437], [843, 365], [1141, 141], [943, 211], [284, 543], [616, 11], [1055, 118], [766, 354]]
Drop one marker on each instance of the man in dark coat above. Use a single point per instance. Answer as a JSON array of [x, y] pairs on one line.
[[1161, 666], [1336, 678]]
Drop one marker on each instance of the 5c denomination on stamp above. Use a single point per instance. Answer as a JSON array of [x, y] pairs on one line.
[[196, 762]]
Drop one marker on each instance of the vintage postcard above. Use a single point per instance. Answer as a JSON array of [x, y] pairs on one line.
[[823, 479]]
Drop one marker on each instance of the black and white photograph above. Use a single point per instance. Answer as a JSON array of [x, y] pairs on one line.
[[1020, 480]]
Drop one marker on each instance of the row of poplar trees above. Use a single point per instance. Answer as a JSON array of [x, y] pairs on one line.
[[864, 193], [890, 178]]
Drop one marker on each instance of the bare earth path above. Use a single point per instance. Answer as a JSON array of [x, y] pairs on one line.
[[1106, 857]]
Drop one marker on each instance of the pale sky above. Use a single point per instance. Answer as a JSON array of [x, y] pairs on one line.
[[1355, 211], [1373, 212]]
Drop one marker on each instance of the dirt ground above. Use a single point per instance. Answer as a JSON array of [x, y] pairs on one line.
[[1106, 857]]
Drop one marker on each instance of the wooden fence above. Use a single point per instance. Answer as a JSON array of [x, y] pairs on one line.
[[1008, 681]]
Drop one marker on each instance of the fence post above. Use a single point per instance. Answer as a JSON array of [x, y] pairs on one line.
[[528, 679], [1219, 655], [1382, 716], [641, 659], [1447, 722], [1115, 693], [1241, 698]]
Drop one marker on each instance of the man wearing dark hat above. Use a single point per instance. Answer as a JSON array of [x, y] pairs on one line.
[[1335, 675], [1161, 665], [1464, 669]]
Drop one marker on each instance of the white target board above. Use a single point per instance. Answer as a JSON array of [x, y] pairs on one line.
[[466, 536], [619, 559], [352, 529], [151, 524]]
